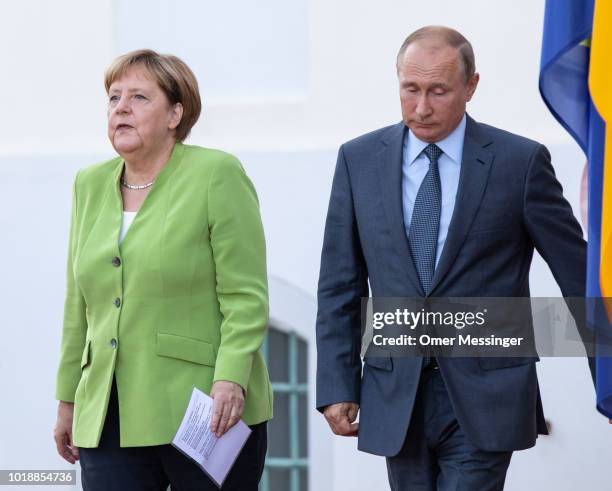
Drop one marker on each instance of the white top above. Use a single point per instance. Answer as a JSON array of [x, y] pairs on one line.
[[128, 218]]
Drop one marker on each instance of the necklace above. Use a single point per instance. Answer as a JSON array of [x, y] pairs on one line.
[[124, 183]]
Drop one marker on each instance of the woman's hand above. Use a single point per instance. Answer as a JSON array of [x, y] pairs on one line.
[[228, 403], [62, 432]]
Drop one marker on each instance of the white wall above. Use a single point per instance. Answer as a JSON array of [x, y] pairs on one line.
[[340, 83]]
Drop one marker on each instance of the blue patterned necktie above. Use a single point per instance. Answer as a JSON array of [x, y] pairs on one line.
[[423, 232]]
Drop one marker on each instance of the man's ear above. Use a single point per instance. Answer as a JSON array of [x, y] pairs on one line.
[[471, 86], [175, 116]]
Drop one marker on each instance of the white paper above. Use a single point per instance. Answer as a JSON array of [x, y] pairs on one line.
[[195, 439]]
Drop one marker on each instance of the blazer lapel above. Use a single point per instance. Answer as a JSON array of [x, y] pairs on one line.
[[475, 167], [390, 175], [163, 175]]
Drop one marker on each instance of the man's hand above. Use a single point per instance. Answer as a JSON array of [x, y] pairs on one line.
[[62, 433], [341, 417], [228, 403]]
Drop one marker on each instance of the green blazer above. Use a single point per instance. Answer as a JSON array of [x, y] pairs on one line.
[[182, 302]]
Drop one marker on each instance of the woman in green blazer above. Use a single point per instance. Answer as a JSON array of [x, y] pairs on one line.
[[174, 299]]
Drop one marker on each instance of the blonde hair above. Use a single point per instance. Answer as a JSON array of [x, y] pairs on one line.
[[174, 78]]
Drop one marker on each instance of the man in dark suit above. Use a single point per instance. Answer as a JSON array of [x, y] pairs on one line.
[[438, 205]]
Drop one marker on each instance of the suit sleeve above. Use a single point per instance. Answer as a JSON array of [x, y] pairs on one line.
[[342, 283], [557, 236], [75, 321], [239, 252]]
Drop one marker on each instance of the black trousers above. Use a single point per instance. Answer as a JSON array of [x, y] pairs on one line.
[[436, 455], [110, 467]]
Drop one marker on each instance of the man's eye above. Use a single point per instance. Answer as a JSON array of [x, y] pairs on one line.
[[439, 92]]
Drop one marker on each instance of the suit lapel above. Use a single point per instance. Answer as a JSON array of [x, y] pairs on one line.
[[390, 175], [475, 167]]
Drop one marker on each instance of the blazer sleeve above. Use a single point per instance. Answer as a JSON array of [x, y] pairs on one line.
[[239, 252], [342, 283], [75, 322], [557, 236]]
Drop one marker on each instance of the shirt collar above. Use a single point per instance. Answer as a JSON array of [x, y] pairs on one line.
[[452, 145]]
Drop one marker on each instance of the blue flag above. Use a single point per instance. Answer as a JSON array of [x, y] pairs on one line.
[[564, 85]]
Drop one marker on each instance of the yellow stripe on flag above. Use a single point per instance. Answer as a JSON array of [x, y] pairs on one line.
[[600, 84]]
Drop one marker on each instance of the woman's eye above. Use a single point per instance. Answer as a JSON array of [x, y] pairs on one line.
[[113, 98], [140, 97]]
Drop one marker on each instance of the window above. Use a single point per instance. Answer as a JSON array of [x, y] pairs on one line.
[[286, 466]]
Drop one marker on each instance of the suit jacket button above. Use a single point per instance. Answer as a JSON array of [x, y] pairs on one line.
[[113, 343], [116, 262], [117, 302]]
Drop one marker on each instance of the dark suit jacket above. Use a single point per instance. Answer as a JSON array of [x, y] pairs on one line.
[[508, 202]]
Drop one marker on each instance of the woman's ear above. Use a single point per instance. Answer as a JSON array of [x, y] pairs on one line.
[[176, 115]]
